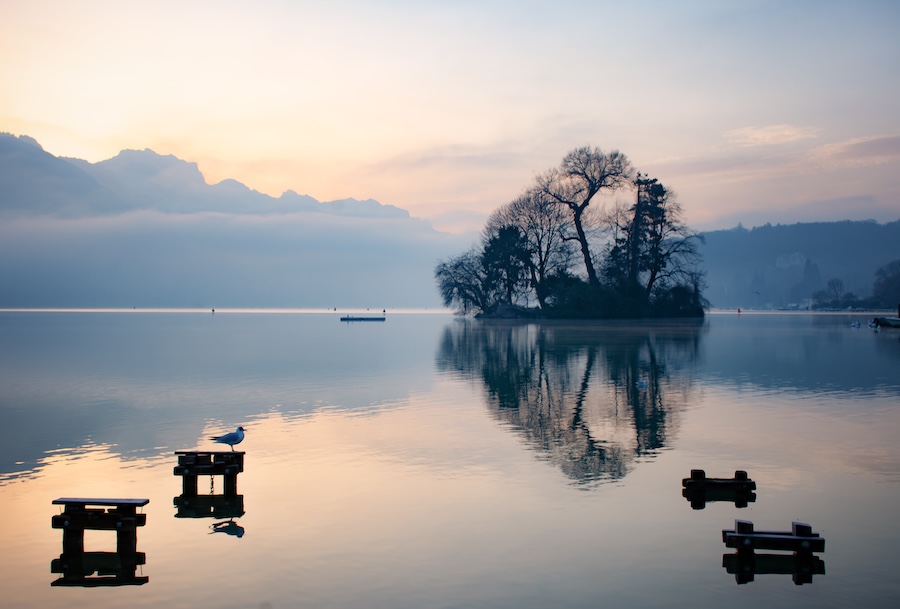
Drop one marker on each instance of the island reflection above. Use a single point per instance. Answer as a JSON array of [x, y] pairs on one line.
[[594, 398]]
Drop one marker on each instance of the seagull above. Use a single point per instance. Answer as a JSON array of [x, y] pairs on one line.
[[235, 437]]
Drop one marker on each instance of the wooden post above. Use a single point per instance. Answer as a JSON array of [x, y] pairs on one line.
[[189, 485], [231, 484], [73, 540]]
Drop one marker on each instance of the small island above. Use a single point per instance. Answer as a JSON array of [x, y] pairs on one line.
[[550, 254]]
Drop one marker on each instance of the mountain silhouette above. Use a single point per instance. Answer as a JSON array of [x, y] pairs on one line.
[[35, 182]]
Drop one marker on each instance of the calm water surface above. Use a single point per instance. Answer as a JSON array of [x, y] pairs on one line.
[[428, 461]]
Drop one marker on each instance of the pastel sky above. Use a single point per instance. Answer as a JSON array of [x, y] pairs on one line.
[[751, 111]]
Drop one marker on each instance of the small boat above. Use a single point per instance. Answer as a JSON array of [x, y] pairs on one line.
[[887, 322], [352, 318]]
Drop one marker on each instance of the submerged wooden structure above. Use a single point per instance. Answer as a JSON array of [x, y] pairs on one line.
[[194, 463], [801, 541], [353, 318], [700, 490], [191, 465], [118, 568]]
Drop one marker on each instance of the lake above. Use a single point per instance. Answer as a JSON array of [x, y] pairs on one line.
[[433, 462]]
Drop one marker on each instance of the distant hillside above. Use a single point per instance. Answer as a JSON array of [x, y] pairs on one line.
[[775, 266], [146, 230]]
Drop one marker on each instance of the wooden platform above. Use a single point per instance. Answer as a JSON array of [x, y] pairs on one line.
[[82, 514], [700, 490], [698, 480], [193, 463], [121, 505], [799, 539]]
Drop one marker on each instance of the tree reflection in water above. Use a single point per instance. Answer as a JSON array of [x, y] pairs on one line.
[[593, 397]]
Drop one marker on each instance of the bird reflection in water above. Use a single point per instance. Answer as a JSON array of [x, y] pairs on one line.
[[229, 527]]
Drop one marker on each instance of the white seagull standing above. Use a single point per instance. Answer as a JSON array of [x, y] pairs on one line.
[[232, 438]]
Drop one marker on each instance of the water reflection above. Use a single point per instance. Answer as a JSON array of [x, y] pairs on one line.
[[193, 464], [99, 569], [209, 506], [148, 384], [803, 354], [229, 527], [94, 569], [592, 397], [745, 565]]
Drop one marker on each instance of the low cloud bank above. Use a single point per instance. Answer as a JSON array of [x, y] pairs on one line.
[[150, 259]]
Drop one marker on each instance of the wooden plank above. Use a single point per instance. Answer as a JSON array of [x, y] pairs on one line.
[[208, 469], [210, 452], [83, 502], [209, 463], [105, 521]]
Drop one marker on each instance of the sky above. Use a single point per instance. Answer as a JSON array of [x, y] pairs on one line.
[[751, 111]]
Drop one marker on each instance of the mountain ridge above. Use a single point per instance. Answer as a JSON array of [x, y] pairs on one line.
[[776, 266], [33, 180]]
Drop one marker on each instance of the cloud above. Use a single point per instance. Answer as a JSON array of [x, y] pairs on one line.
[[153, 259], [877, 150], [770, 135]]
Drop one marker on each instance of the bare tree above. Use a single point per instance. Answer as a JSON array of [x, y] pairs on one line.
[[464, 283], [544, 225], [835, 288], [582, 174]]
